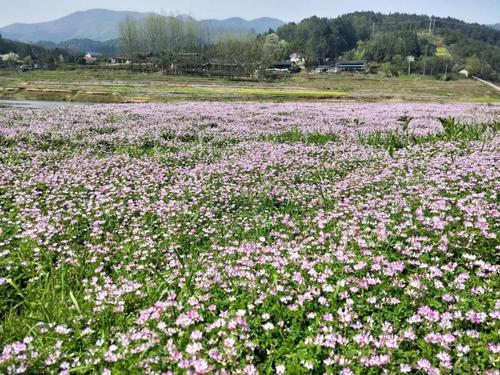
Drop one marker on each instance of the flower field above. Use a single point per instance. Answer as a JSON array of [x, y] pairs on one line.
[[250, 239]]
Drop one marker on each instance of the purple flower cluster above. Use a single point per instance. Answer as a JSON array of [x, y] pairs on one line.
[[192, 238]]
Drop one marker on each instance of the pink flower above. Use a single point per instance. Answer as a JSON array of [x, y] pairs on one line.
[[196, 335], [494, 348], [201, 366], [405, 368], [328, 317], [476, 317], [423, 364], [250, 370]]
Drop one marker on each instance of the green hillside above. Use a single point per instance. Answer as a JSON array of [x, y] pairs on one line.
[[436, 43]]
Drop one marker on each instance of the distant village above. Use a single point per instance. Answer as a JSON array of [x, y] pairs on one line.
[[186, 63], [192, 63], [196, 63]]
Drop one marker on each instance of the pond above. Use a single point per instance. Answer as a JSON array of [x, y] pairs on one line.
[[32, 104]]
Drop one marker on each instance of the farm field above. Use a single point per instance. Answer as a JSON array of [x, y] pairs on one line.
[[111, 86], [210, 237]]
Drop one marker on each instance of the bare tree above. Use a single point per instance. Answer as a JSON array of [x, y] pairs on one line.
[[156, 33], [129, 38]]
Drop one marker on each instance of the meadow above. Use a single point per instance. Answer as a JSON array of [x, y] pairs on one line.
[[250, 238]]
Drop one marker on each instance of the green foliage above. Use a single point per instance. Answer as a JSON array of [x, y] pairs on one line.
[[393, 141], [319, 38], [451, 127], [453, 130], [390, 141], [473, 65], [388, 70], [405, 121], [296, 136]]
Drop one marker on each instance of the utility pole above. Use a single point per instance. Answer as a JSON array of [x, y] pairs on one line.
[[373, 30], [425, 59], [410, 60], [430, 25]]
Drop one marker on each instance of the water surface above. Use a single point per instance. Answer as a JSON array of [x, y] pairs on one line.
[[33, 104]]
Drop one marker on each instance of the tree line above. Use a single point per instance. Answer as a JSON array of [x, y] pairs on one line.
[[184, 43], [395, 44], [28, 53]]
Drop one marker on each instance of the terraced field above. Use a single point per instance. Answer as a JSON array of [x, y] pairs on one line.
[[109, 86]]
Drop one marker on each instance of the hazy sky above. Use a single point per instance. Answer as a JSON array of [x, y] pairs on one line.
[[482, 11]]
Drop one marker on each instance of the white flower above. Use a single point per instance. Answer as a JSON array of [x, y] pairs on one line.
[[280, 369], [308, 365], [268, 326], [193, 348]]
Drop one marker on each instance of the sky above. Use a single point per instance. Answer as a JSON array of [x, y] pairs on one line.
[[30, 11]]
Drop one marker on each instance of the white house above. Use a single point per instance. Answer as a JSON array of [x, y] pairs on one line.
[[298, 60], [92, 57]]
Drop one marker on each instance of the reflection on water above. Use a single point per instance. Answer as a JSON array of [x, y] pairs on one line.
[[31, 104]]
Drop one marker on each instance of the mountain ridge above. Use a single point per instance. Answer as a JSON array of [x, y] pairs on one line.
[[102, 25]]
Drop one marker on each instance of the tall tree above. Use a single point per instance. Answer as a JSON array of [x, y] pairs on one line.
[[129, 38], [156, 33]]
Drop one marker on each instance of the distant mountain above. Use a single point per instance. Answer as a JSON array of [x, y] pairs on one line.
[[259, 25], [102, 25], [495, 26], [108, 48], [95, 24]]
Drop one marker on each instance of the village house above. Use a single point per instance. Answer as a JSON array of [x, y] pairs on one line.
[[187, 62], [285, 67], [298, 60], [281, 66], [464, 73], [119, 61], [222, 68], [351, 66], [92, 57], [326, 69]]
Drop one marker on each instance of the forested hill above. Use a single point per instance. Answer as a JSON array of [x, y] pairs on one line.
[[81, 46], [390, 38], [39, 53]]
